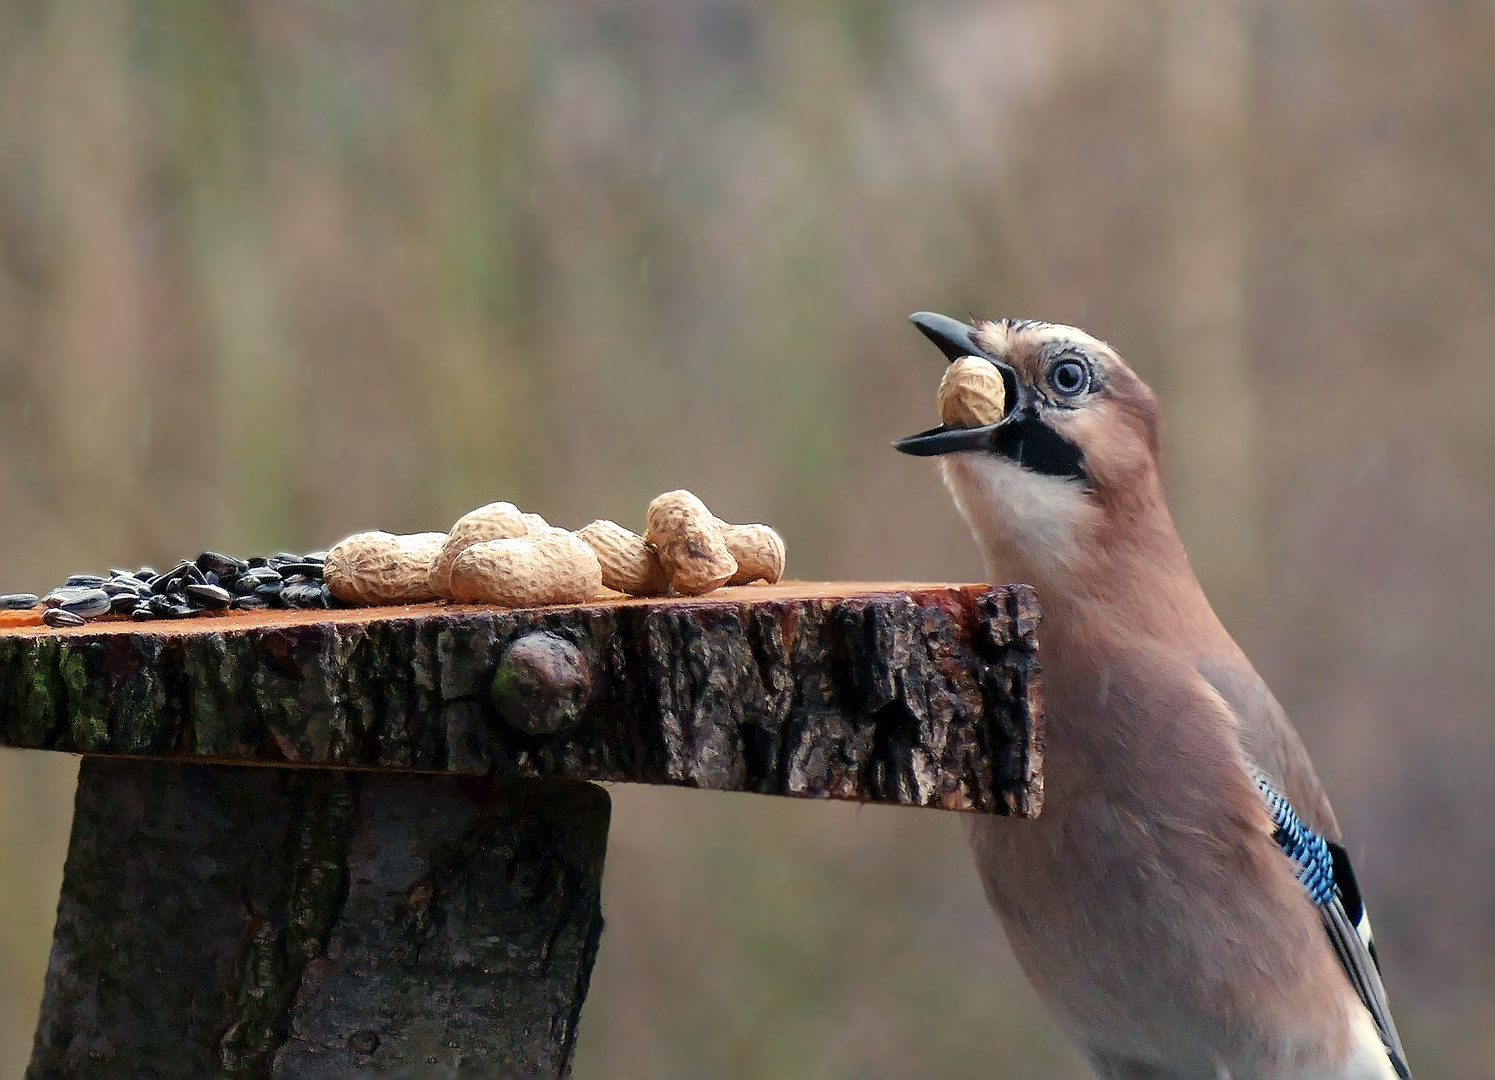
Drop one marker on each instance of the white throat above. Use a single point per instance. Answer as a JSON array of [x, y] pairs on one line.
[[1030, 526]]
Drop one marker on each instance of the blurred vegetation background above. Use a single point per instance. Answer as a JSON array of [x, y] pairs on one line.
[[271, 273]]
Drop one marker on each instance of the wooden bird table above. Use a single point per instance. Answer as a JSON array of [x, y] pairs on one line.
[[335, 843]]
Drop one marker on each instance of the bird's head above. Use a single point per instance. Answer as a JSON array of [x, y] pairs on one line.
[[1072, 464]]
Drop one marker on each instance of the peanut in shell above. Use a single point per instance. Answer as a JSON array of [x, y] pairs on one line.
[[629, 564], [972, 393], [382, 568], [689, 542], [556, 568], [495, 521], [759, 552]]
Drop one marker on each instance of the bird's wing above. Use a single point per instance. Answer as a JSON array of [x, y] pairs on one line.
[[1307, 832], [1271, 743]]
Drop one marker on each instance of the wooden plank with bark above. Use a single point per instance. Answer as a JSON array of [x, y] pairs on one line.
[[407, 881], [922, 695]]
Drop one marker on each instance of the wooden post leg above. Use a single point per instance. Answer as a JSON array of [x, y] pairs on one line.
[[262, 922]]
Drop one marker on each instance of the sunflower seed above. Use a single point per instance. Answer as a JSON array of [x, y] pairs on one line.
[[19, 601], [301, 594], [142, 613], [85, 581], [209, 597], [303, 569], [164, 583], [57, 617], [220, 564], [65, 595], [90, 605]]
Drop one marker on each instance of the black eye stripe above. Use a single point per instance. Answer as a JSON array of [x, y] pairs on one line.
[[1040, 449]]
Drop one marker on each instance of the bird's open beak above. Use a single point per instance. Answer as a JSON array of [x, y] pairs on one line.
[[956, 339]]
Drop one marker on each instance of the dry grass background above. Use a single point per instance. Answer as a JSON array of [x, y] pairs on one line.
[[274, 272]]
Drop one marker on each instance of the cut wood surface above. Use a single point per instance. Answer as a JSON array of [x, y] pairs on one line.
[[919, 694]]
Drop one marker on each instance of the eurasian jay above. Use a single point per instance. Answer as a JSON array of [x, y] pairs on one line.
[[1183, 904]]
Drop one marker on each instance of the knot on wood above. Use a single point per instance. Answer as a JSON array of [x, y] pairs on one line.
[[542, 684]]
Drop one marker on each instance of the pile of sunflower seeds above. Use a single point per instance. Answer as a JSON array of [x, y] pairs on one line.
[[209, 583]]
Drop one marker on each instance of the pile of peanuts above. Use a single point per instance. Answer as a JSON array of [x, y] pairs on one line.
[[499, 555]]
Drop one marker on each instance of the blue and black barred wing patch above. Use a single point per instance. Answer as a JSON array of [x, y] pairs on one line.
[[1325, 871]]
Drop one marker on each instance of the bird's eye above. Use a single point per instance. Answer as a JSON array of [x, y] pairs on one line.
[[1069, 377]]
